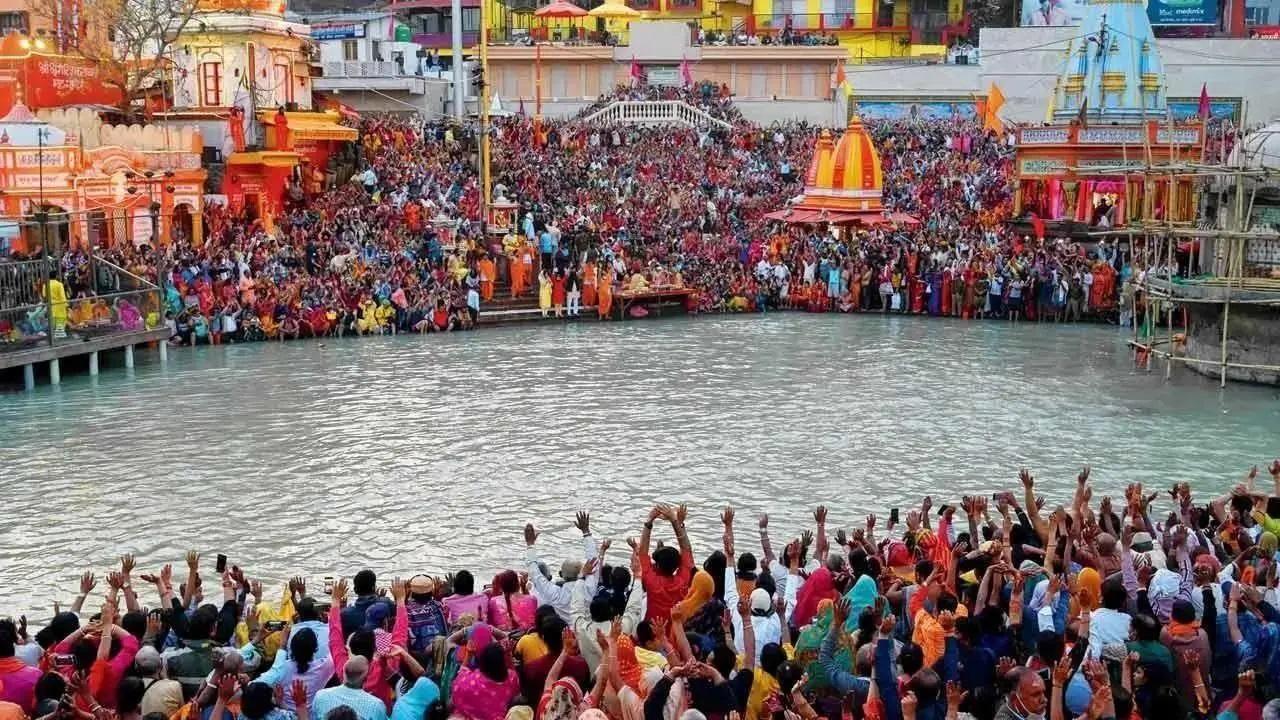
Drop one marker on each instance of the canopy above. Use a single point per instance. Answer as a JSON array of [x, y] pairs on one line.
[[615, 10], [560, 9], [811, 216]]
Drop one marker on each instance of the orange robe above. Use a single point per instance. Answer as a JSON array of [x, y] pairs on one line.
[[589, 285], [487, 273], [605, 299]]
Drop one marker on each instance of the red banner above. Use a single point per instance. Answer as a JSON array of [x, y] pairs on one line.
[[60, 80]]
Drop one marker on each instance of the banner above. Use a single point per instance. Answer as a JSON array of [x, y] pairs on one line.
[[337, 30], [1183, 12], [58, 80], [1056, 13]]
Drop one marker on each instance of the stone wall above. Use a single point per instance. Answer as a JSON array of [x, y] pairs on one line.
[[1253, 339]]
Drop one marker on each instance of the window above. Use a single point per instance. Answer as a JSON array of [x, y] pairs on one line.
[[11, 21], [350, 50], [283, 83], [470, 19], [211, 84]]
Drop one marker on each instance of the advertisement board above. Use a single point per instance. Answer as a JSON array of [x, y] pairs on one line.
[[1183, 12], [60, 80], [1058, 13]]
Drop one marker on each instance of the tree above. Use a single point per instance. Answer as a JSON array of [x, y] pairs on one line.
[[131, 41]]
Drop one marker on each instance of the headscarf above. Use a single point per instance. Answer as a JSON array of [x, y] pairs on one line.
[[629, 667], [861, 596], [700, 591], [413, 704], [561, 701], [809, 645], [593, 714], [820, 586], [1268, 542], [1090, 584]]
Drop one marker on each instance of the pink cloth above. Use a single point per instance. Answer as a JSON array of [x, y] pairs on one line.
[[18, 683], [525, 607], [477, 605], [477, 697]]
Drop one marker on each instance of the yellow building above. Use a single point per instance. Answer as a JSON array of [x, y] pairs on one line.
[[867, 29]]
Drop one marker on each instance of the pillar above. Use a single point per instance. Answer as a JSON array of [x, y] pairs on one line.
[[55, 372], [164, 352], [128, 356], [197, 229], [29, 376], [93, 363]]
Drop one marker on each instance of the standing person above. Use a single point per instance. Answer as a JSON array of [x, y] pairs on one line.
[[544, 292], [558, 292], [547, 249], [666, 575], [589, 273], [1015, 298], [473, 304], [605, 300], [573, 288], [487, 271]]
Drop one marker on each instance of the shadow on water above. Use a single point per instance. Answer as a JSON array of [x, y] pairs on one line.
[[429, 453]]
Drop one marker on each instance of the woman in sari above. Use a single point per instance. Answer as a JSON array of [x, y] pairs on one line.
[[130, 318], [605, 293], [544, 293], [483, 692]]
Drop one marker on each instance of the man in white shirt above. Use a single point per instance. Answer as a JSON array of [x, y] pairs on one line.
[[560, 596]]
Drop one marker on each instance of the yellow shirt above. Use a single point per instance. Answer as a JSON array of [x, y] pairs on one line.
[[762, 686], [650, 659], [530, 648]]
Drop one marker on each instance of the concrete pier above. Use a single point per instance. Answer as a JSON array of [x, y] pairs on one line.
[[55, 372], [39, 352], [93, 363], [128, 356], [29, 376]]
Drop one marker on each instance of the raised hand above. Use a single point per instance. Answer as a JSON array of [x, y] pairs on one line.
[[841, 611], [114, 581], [227, 688], [908, 702], [589, 567], [1062, 671], [1025, 476], [886, 624], [1275, 469], [682, 512], [1004, 665], [530, 534], [871, 522], [87, 583], [820, 515], [726, 516], [569, 641], [764, 521], [947, 621], [126, 566], [399, 590], [582, 521], [255, 589], [193, 560], [340, 591], [605, 544], [806, 538], [1083, 477]]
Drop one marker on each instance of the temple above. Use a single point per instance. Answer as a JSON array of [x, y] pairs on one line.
[[844, 185], [1108, 119]]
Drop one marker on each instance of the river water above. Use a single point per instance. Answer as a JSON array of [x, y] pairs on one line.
[[429, 453]]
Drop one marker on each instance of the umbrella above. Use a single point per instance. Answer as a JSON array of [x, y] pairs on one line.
[[615, 10], [560, 9]]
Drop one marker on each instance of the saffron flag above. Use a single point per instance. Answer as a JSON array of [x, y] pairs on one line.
[[686, 72], [1037, 224], [995, 101], [636, 76], [840, 81], [1204, 102]]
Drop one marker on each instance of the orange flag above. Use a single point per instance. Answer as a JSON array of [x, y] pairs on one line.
[[995, 101]]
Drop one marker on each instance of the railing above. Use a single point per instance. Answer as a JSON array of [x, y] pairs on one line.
[[654, 112], [363, 69], [115, 301]]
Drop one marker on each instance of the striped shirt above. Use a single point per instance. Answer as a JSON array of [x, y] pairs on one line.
[[366, 705]]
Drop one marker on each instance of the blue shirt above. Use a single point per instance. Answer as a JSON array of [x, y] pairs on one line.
[[366, 706], [546, 243]]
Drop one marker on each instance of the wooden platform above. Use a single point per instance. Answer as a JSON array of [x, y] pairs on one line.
[[655, 299], [71, 346]]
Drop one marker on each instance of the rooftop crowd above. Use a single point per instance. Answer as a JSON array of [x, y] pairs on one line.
[[1002, 607], [603, 209]]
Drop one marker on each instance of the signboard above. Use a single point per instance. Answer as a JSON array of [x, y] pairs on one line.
[[1059, 13], [907, 110], [58, 80], [1055, 13], [1043, 166], [336, 31], [1183, 12], [1045, 136], [662, 74], [1264, 32]]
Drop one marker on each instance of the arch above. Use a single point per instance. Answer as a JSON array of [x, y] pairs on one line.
[[54, 232], [182, 227]]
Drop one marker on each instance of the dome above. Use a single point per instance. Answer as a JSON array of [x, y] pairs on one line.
[[847, 173], [1261, 148]]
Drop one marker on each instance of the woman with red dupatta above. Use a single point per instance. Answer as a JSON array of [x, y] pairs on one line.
[[946, 292]]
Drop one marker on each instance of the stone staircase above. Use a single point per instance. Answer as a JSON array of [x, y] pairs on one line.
[[505, 309]]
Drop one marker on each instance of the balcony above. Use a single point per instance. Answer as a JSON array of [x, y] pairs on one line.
[[442, 40], [369, 75]]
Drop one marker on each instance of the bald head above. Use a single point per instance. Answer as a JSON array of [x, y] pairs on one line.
[[357, 668]]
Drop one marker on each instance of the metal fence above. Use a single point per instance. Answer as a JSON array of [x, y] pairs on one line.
[[115, 302]]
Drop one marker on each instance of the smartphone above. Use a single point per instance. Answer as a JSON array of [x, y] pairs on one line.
[[274, 625], [893, 516], [328, 584], [221, 567], [64, 660]]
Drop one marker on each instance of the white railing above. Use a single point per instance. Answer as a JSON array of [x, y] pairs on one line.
[[654, 112], [362, 69]]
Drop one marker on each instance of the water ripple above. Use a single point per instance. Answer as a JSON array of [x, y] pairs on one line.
[[413, 454]]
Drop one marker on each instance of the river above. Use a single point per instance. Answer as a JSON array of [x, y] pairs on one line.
[[429, 453]]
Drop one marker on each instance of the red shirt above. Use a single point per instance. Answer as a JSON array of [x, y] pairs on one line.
[[664, 591]]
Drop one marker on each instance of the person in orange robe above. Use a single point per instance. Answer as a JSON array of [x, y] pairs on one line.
[[589, 284], [605, 294], [487, 273], [526, 267]]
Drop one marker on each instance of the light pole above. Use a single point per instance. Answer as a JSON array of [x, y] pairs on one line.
[[42, 219]]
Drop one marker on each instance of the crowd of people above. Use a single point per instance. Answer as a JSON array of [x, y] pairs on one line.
[[399, 248], [1003, 607]]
